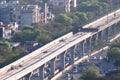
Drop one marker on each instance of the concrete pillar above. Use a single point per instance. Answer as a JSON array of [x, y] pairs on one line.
[[85, 46], [41, 72], [74, 3], [88, 41], [26, 77], [111, 30], [103, 36], [52, 67], [94, 39], [82, 48], [62, 60], [23, 78], [114, 29], [106, 34], [72, 52], [99, 36], [35, 72], [76, 49]]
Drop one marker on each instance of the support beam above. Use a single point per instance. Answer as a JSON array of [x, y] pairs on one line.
[[106, 35], [88, 45], [72, 52], [79, 50], [100, 36], [82, 48], [103, 36], [94, 39], [52, 67], [62, 60], [26, 77], [41, 72]]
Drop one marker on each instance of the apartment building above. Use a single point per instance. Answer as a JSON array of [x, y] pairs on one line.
[[62, 5], [45, 15], [7, 30], [25, 15]]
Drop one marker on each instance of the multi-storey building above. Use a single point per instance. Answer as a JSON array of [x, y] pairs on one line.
[[62, 5], [25, 14], [6, 31], [45, 15]]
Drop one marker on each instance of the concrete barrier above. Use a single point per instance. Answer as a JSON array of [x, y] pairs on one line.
[[32, 54]]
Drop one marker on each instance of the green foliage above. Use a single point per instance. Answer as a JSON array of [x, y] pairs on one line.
[[115, 76], [97, 45], [90, 15], [5, 48], [45, 1], [7, 54], [24, 1], [76, 19], [27, 27], [88, 6], [99, 8], [18, 51], [82, 17], [105, 7], [9, 58], [91, 73], [117, 44], [73, 17], [41, 33], [44, 38], [64, 19], [114, 54], [27, 1]]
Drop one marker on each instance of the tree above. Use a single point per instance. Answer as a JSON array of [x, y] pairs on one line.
[[88, 6], [5, 48], [63, 19], [105, 7], [82, 17], [114, 54], [27, 34], [73, 17], [44, 38], [27, 27], [91, 73], [97, 7], [45, 1], [116, 44]]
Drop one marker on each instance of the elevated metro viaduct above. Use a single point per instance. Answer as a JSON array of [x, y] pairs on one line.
[[54, 57]]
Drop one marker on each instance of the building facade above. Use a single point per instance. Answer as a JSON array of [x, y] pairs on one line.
[[62, 5], [6, 31], [25, 15], [45, 15]]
